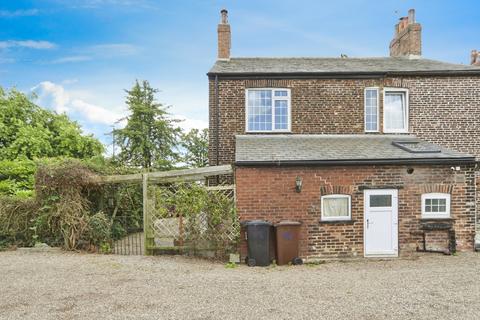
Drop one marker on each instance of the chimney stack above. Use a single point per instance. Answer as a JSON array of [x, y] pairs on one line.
[[224, 37], [475, 58], [407, 41]]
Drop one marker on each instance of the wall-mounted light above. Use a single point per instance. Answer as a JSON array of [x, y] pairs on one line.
[[298, 184]]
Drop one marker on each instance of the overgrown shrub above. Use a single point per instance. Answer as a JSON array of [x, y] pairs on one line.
[[62, 192], [99, 229], [70, 208], [16, 216]]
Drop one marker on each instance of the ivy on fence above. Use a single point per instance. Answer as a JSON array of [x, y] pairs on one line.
[[193, 218]]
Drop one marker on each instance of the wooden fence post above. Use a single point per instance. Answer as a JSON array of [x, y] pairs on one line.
[[146, 220]]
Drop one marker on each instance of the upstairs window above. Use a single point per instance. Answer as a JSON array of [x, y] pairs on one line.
[[371, 110], [268, 110], [435, 205], [395, 111]]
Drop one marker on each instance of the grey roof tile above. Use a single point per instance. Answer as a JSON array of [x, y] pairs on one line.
[[334, 65], [362, 147]]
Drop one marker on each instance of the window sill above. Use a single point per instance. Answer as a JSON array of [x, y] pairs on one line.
[[426, 219], [267, 132], [337, 221], [396, 132]]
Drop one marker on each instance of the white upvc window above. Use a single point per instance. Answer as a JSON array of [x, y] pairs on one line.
[[395, 110], [371, 109], [267, 110], [436, 205], [336, 207]]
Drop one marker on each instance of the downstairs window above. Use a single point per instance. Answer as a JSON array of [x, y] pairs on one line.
[[435, 205], [336, 207]]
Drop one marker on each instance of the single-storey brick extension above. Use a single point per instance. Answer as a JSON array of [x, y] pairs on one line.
[[376, 157]]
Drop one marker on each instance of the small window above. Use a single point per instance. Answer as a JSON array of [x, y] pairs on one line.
[[336, 207], [395, 110], [435, 205], [380, 200], [268, 110], [371, 110]]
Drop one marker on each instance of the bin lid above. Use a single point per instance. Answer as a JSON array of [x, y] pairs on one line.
[[257, 223], [288, 223]]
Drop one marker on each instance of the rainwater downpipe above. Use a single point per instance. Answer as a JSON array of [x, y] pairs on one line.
[[217, 122]]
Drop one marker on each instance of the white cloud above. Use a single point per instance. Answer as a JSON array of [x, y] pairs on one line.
[[80, 105], [18, 13], [188, 123], [31, 44], [71, 59], [93, 113], [54, 96], [99, 51]]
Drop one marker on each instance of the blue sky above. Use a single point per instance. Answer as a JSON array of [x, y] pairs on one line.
[[78, 56]]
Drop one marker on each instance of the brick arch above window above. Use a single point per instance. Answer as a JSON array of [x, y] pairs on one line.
[[268, 83], [329, 189], [436, 188]]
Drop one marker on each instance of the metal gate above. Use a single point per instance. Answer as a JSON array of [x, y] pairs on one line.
[[123, 202], [132, 241]]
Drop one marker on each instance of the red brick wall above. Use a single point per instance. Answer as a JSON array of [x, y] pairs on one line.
[[444, 110], [268, 193]]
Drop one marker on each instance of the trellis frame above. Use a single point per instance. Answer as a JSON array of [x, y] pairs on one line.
[[164, 177]]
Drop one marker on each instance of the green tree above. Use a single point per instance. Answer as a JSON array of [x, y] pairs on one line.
[[195, 143], [28, 133], [150, 138]]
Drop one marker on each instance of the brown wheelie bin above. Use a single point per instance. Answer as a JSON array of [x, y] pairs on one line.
[[288, 234]]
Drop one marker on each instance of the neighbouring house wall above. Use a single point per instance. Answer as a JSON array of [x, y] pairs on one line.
[[443, 110], [268, 193]]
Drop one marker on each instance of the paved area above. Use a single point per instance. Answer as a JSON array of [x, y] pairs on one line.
[[59, 285]]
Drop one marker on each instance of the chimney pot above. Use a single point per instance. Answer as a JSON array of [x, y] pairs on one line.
[[411, 16], [224, 13], [475, 58]]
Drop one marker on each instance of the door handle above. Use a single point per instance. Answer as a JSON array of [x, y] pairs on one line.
[[368, 223]]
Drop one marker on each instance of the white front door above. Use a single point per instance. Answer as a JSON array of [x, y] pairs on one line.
[[381, 223]]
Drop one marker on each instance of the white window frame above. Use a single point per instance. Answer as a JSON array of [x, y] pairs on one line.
[[401, 90], [365, 108], [436, 215], [342, 218], [289, 109]]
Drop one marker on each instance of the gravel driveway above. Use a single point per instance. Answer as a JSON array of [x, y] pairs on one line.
[[58, 285]]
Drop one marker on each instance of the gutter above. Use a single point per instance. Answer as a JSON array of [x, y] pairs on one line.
[[354, 162], [340, 75]]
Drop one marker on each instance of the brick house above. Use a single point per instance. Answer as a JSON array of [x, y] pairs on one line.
[[375, 156]]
